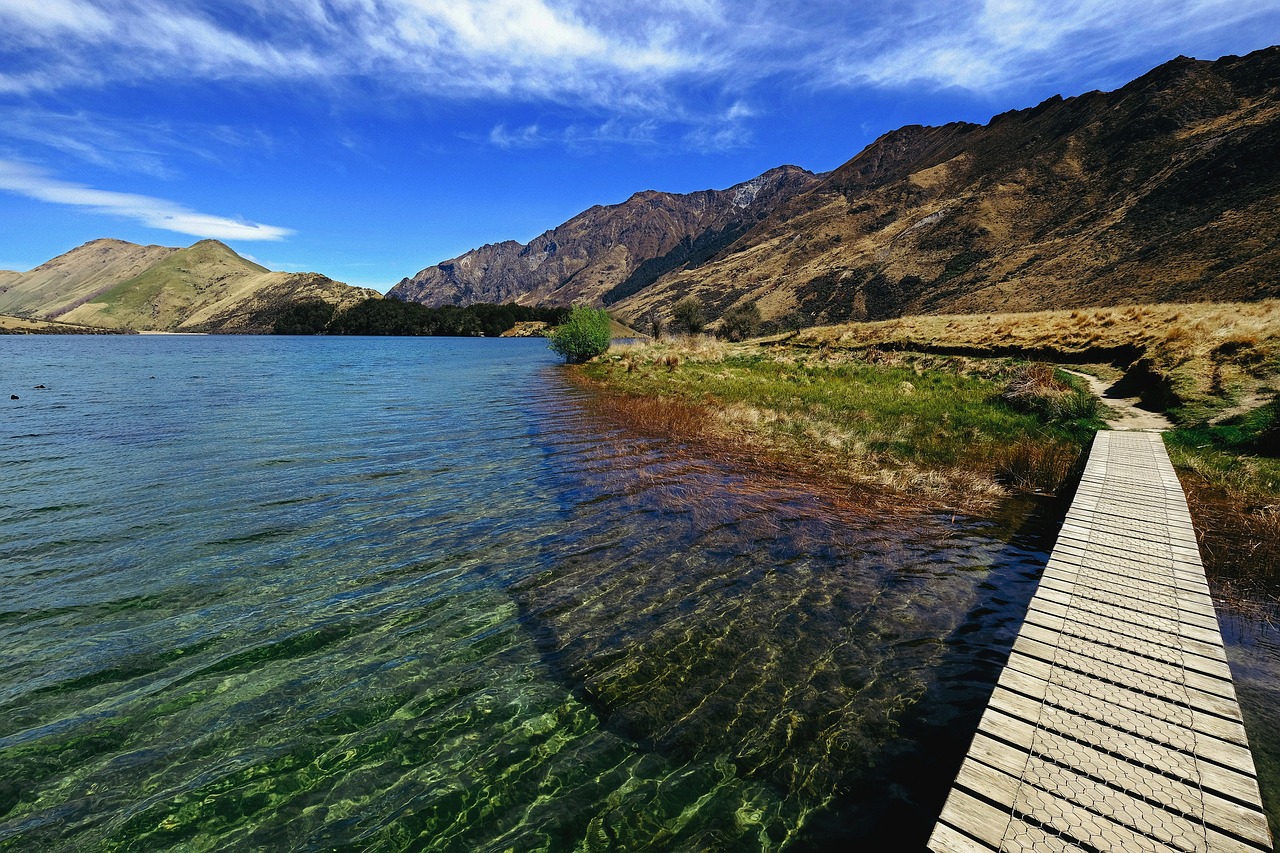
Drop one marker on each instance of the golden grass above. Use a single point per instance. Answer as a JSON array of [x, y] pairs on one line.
[[1199, 359], [25, 326]]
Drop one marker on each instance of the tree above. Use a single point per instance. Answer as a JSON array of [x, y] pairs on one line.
[[740, 322], [689, 315], [309, 317], [655, 324], [584, 334]]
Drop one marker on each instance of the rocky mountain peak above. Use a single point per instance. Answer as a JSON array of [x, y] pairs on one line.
[[607, 251]]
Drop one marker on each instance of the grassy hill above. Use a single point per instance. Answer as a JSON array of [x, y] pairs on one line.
[[207, 287], [59, 285]]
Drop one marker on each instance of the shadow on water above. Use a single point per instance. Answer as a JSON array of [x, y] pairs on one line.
[[895, 805], [833, 659]]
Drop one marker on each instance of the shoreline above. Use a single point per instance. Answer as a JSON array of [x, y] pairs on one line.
[[645, 387], [899, 433]]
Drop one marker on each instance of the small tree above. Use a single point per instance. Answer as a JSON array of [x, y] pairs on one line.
[[655, 324], [584, 334], [689, 315], [740, 322]]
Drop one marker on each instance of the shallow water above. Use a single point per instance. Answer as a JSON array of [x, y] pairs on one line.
[[410, 594]]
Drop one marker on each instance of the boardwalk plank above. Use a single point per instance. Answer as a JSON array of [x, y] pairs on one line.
[[1215, 739], [1107, 661], [1176, 760], [1114, 725]]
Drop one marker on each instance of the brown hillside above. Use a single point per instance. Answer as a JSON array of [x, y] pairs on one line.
[[1165, 190]]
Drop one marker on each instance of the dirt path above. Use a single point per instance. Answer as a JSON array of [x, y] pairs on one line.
[[1124, 412]]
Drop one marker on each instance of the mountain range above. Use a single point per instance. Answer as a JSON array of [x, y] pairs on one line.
[[1167, 189], [607, 252], [1164, 190], [205, 287]]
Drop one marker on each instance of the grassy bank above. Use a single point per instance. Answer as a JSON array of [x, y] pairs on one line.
[[928, 430], [1199, 362], [947, 411]]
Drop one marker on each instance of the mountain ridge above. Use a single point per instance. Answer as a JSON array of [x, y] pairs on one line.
[[597, 250], [1162, 190]]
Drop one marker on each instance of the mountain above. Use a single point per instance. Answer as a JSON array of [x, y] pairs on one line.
[[607, 252], [205, 287], [1165, 190], [53, 288]]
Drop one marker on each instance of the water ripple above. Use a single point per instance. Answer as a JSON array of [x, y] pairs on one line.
[[366, 594]]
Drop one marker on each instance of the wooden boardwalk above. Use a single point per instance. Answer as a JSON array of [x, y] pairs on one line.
[[1114, 725]]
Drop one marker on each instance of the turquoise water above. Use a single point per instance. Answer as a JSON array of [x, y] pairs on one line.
[[414, 594]]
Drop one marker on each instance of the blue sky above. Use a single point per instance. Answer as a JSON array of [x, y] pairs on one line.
[[367, 139]]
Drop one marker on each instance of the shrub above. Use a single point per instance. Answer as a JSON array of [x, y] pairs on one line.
[[654, 319], [583, 335], [1037, 389], [740, 322], [688, 315]]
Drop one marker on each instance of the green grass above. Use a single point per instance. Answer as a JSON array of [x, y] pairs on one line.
[[1240, 455], [914, 423]]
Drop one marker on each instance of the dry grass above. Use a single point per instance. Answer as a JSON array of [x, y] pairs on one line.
[[1198, 360], [1239, 539], [25, 326]]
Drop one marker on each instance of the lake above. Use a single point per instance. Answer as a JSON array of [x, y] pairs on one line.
[[420, 594]]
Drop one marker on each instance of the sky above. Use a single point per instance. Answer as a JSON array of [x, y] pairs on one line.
[[368, 139]]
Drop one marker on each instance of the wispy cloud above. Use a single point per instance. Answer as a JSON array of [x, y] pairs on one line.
[[614, 131], [155, 212], [708, 132], [128, 146], [643, 61], [993, 45]]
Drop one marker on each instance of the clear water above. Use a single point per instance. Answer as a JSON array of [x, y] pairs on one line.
[[413, 594]]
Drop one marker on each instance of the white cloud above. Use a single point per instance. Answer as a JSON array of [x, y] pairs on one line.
[[993, 45], [529, 49], [673, 61], [56, 16], [155, 212]]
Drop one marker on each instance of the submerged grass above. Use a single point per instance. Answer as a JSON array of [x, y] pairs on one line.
[[930, 430]]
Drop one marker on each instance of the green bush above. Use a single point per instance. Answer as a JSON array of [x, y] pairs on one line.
[[310, 317], [688, 315], [390, 316], [583, 335], [741, 322]]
